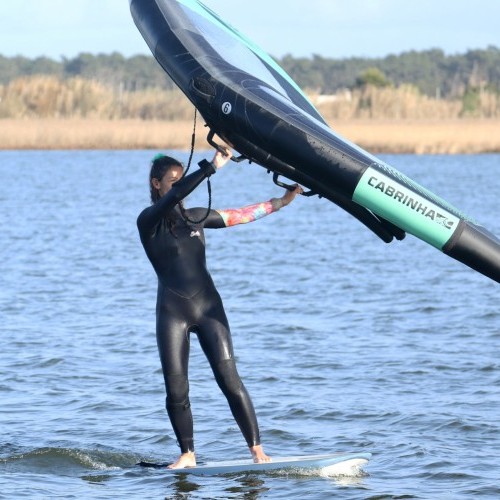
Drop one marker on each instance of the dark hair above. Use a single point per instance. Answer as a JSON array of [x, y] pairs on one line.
[[160, 165]]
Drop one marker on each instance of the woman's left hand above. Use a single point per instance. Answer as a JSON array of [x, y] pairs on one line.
[[289, 196], [221, 158]]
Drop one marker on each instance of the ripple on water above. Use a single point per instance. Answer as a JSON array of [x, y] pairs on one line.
[[344, 343]]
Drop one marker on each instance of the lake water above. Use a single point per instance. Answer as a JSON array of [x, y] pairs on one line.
[[345, 343]]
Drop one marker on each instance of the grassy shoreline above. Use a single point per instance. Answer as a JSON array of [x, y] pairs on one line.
[[452, 136]]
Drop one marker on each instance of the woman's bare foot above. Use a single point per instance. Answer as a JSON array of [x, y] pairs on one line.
[[185, 460], [258, 455]]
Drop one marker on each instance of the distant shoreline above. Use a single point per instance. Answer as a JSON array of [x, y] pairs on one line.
[[455, 136]]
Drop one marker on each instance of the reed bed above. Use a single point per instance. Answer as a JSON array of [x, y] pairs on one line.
[[52, 97], [379, 136], [45, 112], [387, 103], [94, 133], [450, 136]]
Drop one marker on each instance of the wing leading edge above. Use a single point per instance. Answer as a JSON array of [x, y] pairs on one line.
[[251, 103]]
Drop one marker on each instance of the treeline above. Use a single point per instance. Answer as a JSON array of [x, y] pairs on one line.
[[431, 72], [112, 70]]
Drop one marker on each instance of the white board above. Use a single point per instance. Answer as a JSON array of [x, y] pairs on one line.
[[337, 464]]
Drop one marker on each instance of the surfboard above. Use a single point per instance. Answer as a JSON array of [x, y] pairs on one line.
[[337, 464], [251, 103]]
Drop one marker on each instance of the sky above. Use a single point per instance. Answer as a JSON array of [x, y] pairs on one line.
[[329, 28]]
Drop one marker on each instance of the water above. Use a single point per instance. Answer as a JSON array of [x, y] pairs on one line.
[[345, 343]]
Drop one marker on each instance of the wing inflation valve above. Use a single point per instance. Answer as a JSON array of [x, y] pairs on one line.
[[203, 88]]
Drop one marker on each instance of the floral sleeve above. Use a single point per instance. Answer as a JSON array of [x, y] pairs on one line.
[[234, 216]]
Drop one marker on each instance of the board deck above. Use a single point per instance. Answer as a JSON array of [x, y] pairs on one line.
[[337, 464]]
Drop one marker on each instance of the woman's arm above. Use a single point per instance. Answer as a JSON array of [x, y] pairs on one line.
[[151, 216], [250, 213]]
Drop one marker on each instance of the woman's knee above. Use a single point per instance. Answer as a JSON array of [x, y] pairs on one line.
[[227, 376], [177, 387]]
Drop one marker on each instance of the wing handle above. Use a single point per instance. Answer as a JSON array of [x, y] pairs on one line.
[[290, 187], [218, 147]]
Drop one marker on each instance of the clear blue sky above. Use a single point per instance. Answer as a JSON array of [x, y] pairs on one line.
[[331, 28]]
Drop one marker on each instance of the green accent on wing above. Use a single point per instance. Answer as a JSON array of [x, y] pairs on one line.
[[405, 205], [199, 8]]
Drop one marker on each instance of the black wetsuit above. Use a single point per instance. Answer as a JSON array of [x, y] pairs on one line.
[[187, 302]]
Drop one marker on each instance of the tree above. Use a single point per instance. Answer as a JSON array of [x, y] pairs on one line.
[[372, 77]]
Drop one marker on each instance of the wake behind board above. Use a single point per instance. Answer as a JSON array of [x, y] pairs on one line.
[[338, 464]]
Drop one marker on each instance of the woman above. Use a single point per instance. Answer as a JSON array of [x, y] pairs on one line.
[[187, 299]]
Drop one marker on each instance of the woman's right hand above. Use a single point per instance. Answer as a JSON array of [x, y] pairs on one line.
[[221, 158]]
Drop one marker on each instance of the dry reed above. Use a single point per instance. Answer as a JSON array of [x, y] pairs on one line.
[[452, 136], [52, 97], [78, 133], [387, 103], [390, 136], [44, 112]]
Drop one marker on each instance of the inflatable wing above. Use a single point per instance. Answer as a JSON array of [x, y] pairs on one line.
[[253, 105]]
